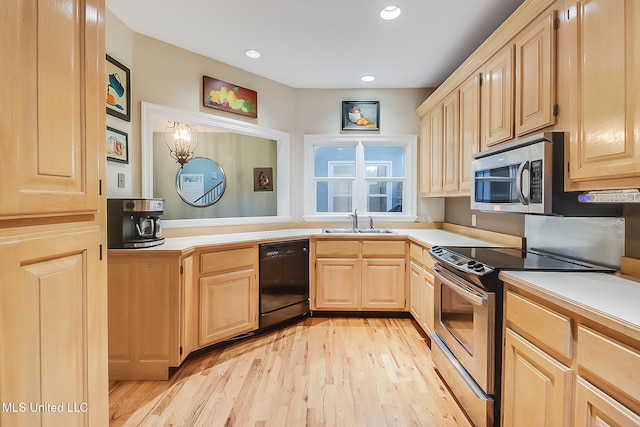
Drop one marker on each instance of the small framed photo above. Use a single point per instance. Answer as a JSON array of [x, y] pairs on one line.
[[262, 179], [118, 98], [117, 146], [361, 115]]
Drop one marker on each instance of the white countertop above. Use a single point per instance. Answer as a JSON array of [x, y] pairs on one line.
[[427, 236], [600, 294]]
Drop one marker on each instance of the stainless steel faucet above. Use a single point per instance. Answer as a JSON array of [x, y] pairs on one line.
[[354, 217], [371, 222]]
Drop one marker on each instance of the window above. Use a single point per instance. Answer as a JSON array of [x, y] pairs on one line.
[[374, 175]]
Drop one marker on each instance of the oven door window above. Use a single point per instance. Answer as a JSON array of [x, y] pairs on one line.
[[497, 185], [457, 317]]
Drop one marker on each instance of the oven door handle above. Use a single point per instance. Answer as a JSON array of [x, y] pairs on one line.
[[461, 288]]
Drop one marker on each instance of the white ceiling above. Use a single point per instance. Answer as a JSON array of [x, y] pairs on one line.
[[326, 44]]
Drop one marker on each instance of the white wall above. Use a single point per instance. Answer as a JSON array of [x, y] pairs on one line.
[[167, 75]]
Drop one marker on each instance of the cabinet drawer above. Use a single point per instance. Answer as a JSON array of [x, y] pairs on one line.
[[233, 259], [609, 360], [416, 252], [334, 248], [548, 327], [386, 249], [427, 261]]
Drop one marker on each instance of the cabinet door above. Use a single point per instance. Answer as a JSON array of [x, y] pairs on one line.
[[537, 388], [606, 69], [424, 156], [338, 283], [428, 317], [53, 348], [383, 284], [144, 317], [451, 143], [535, 76], [52, 110], [594, 408], [469, 128], [228, 305], [436, 181], [416, 293], [497, 99]]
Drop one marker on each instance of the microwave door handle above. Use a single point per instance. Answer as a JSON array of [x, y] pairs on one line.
[[523, 199]]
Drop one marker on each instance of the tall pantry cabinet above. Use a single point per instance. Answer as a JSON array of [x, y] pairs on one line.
[[53, 301]]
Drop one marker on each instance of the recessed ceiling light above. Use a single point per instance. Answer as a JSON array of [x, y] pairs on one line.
[[390, 12], [367, 78], [253, 54]]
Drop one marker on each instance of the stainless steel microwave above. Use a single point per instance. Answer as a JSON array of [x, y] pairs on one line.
[[527, 176]]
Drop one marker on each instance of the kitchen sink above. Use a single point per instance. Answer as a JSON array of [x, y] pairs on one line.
[[358, 231]]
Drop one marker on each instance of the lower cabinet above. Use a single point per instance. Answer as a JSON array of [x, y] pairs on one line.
[[537, 388], [146, 314], [558, 371], [359, 275], [165, 304], [421, 287], [228, 287]]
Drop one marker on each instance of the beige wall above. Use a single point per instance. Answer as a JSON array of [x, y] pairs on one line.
[[167, 75]]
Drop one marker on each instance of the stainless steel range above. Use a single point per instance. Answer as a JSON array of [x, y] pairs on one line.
[[468, 319]]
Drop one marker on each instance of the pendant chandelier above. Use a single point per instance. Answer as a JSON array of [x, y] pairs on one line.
[[182, 140]]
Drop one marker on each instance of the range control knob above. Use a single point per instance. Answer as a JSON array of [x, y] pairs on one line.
[[478, 267], [471, 263], [437, 250]]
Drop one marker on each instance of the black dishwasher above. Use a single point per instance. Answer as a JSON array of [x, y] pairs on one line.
[[284, 281]]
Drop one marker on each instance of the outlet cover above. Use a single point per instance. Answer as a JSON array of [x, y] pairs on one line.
[[120, 180]]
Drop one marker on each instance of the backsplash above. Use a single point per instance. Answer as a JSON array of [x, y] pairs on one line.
[[596, 240]]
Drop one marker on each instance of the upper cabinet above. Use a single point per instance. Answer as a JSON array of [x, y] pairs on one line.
[[51, 126], [497, 98], [535, 103], [603, 72], [469, 117], [451, 143]]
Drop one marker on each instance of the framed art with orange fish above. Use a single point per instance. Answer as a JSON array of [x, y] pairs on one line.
[[118, 81], [229, 97]]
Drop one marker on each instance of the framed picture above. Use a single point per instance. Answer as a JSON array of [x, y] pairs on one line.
[[229, 97], [360, 115], [118, 89], [117, 145], [262, 179]]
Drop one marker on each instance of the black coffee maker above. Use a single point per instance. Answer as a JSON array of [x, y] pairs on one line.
[[134, 223]]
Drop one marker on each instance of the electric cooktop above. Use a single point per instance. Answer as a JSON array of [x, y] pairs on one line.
[[486, 262]]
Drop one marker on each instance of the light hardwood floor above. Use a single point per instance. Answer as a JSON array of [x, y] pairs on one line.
[[319, 372]]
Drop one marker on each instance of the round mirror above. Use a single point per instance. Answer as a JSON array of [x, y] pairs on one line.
[[200, 182]]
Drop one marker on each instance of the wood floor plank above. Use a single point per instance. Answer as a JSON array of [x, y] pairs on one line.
[[320, 372]]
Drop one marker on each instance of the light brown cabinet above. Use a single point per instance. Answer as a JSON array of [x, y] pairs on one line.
[[421, 287], [53, 291], [146, 314], [451, 143], [604, 70], [469, 128], [535, 75], [497, 98], [52, 122], [228, 294], [359, 275], [560, 372], [431, 153]]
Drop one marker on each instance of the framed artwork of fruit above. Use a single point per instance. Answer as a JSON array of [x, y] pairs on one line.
[[229, 97], [360, 115]]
